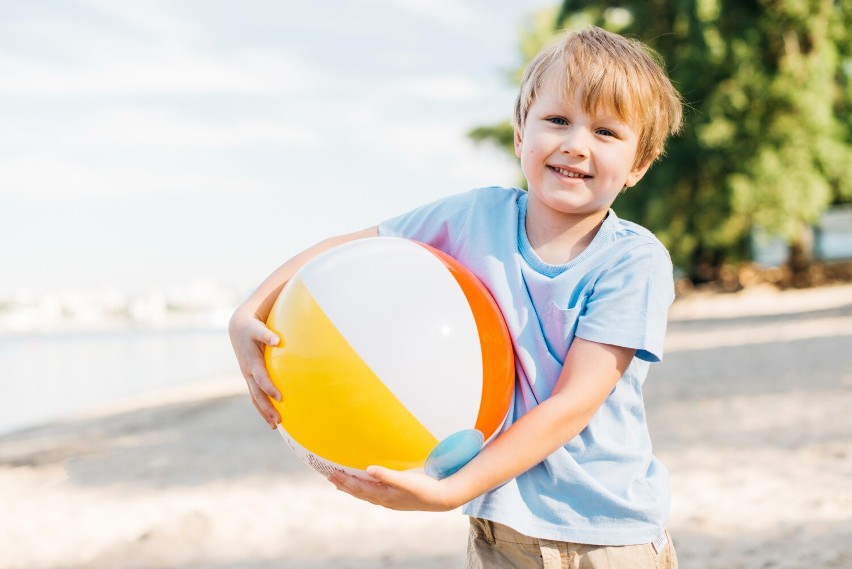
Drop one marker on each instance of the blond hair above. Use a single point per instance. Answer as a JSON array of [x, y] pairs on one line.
[[612, 73]]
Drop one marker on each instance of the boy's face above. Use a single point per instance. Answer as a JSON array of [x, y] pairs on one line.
[[575, 162]]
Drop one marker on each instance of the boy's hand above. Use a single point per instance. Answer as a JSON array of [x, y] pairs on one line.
[[248, 337], [408, 490]]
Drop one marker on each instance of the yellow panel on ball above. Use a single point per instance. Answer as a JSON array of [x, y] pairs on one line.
[[332, 403]]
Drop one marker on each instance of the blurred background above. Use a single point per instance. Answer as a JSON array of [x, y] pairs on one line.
[[159, 159]]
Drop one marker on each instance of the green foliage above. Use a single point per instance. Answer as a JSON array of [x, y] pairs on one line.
[[500, 134], [768, 139]]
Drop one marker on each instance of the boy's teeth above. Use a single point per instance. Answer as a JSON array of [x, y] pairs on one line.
[[569, 173]]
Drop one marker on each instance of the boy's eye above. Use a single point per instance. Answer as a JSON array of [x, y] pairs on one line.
[[557, 120], [606, 132]]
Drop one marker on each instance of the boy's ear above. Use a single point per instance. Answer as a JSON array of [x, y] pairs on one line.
[[639, 172], [518, 142]]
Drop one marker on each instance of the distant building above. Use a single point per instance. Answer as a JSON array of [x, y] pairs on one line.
[[833, 235], [831, 240]]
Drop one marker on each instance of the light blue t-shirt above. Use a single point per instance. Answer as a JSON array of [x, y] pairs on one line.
[[603, 487]]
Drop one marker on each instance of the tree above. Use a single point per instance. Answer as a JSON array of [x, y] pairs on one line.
[[767, 142]]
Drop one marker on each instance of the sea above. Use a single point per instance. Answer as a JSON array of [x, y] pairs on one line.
[[50, 376]]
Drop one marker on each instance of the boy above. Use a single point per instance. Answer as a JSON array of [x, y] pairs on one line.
[[585, 296]]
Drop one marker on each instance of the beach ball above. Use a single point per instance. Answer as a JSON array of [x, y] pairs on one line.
[[393, 354]]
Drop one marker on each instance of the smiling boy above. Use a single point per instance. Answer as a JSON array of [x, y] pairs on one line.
[[585, 296]]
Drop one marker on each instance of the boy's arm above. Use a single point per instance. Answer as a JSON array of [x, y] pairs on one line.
[[589, 375], [249, 334]]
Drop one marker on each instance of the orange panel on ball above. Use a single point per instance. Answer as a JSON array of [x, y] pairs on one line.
[[498, 361]]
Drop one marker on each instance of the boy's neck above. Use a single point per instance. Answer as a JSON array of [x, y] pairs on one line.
[[558, 238]]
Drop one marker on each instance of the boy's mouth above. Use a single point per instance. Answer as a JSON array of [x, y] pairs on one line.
[[569, 173]]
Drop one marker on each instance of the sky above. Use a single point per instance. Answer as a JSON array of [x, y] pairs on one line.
[[147, 144]]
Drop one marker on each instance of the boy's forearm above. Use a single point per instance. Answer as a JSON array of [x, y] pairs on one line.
[[511, 454], [589, 375], [526, 443]]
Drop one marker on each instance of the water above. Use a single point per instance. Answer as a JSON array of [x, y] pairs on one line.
[[48, 376]]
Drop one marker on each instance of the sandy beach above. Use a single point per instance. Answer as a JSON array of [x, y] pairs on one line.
[[751, 411]]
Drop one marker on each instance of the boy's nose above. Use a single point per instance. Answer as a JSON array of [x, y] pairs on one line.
[[576, 143]]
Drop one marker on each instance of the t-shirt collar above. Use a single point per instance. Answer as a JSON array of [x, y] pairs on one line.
[[533, 260]]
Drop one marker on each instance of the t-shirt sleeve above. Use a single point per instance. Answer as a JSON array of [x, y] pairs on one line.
[[437, 224], [630, 302]]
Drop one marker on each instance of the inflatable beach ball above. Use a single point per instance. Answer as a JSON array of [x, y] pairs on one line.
[[392, 354]]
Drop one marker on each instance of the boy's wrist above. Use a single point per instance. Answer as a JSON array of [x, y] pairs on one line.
[[241, 317], [456, 491], [248, 310]]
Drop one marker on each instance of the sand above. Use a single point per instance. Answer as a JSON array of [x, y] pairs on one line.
[[751, 411]]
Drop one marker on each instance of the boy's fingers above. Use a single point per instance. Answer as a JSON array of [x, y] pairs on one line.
[[263, 334], [261, 379], [270, 420], [354, 486], [383, 475], [272, 339], [263, 406]]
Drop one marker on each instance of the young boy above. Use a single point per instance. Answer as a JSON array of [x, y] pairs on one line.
[[585, 296]]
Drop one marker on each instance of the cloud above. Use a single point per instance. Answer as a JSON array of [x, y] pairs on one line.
[[452, 16], [148, 18], [137, 49], [122, 127], [452, 88], [172, 71], [100, 87], [43, 176], [419, 145]]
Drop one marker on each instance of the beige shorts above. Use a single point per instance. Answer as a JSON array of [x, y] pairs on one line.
[[492, 545]]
